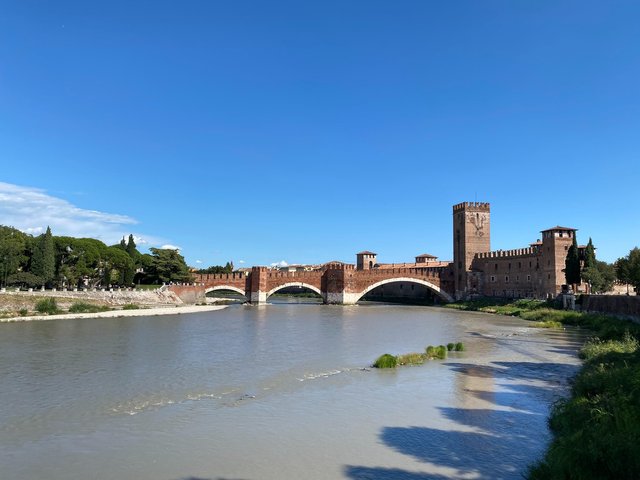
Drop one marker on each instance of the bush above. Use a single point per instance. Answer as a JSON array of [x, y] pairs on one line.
[[48, 306], [386, 361], [450, 346], [459, 347], [411, 359], [83, 307], [439, 352], [130, 306], [23, 312]]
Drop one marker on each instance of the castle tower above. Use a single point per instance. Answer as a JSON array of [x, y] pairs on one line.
[[555, 246], [471, 235], [365, 260]]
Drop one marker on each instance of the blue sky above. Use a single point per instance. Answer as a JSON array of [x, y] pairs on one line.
[[307, 131]]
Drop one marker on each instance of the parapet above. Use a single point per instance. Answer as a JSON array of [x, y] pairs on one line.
[[476, 206], [518, 252]]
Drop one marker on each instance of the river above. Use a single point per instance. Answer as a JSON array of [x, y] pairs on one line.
[[278, 392]]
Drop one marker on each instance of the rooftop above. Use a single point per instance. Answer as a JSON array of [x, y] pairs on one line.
[[366, 252], [557, 227]]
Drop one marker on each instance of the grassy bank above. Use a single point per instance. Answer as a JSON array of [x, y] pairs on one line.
[[597, 429]]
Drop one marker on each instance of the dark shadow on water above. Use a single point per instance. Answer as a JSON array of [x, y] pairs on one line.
[[380, 473], [486, 443]]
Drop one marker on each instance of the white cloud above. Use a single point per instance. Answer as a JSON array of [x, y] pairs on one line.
[[32, 210], [198, 261], [281, 263], [241, 261], [170, 247]]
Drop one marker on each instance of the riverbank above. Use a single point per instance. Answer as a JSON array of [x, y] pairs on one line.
[[597, 428], [142, 312]]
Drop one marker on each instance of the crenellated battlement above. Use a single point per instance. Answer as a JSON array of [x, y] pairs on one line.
[[476, 206], [515, 253]]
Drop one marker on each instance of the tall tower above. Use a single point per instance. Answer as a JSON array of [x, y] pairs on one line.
[[555, 246], [471, 235], [365, 260]]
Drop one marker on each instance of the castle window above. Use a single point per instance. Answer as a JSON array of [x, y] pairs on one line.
[[519, 264], [506, 279], [496, 266], [529, 264], [509, 265], [493, 278], [517, 278], [549, 276], [566, 247], [528, 278]]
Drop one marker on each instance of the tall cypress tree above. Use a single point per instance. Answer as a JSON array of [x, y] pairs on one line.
[[131, 247], [572, 264], [43, 262], [589, 255]]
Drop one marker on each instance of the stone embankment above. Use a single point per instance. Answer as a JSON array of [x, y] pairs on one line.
[[13, 301]]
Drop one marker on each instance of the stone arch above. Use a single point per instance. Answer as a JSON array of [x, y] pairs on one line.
[[295, 284], [226, 287], [434, 288]]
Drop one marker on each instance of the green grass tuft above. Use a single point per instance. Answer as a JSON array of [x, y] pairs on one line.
[[84, 307], [130, 306], [386, 361], [411, 359], [48, 306]]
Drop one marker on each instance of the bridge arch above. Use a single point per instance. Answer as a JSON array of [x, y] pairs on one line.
[[434, 288], [226, 287], [295, 284]]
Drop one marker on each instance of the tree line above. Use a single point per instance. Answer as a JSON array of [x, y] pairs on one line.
[[59, 261], [600, 275]]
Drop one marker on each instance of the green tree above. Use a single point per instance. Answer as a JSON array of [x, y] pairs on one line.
[[43, 262], [572, 264], [601, 277], [24, 279], [589, 255], [628, 269], [131, 248], [168, 266], [13, 251]]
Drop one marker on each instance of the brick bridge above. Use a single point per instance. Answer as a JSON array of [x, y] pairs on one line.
[[336, 283]]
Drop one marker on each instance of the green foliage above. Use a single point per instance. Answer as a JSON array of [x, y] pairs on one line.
[[450, 346], [23, 312], [13, 251], [597, 430], [628, 268], [439, 352], [589, 255], [48, 306], [386, 361], [168, 266], [24, 279], [601, 276], [572, 264], [459, 347], [43, 261], [130, 306], [548, 324], [83, 307], [228, 268], [411, 359]]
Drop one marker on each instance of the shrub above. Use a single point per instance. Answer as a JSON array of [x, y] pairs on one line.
[[83, 307], [459, 347], [47, 305], [439, 352], [23, 312], [450, 346], [386, 361], [130, 306], [411, 359]]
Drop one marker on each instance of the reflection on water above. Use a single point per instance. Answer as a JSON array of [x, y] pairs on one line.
[[277, 391]]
